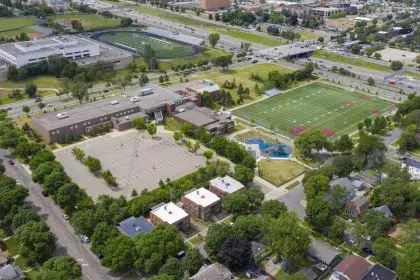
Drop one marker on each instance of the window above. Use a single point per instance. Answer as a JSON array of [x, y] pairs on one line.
[[88, 122], [32, 59], [71, 127], [53, 133], [84, 124], [75, 126], [58, 131]]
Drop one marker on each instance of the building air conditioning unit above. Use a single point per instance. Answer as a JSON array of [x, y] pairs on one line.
[[62, 115]]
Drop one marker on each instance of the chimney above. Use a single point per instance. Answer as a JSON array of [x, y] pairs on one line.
[[198, 192], [164, 207]]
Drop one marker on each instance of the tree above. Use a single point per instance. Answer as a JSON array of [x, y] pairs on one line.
[[377, 55], [248, 227], [177, 136], [343, 144], [376, 223], [206, 100], [37, 242], [30, 89], [44, 169], [273, 208], [193, 261], [126, 21], [155, 248], [26, 109], [143, 80], [79, 91], [255, 197], [151, 129], [288, 239], [409, 263], [396, 65], [222, 61], [139, 124], [216, 236], [109, 178], [54, 181], [298, 276], [336, 232], [23, 216], [12, 73], [355, 48], [163, 277], [370, 150], [384, 250], [78, 153], [148, 54], [368, 122], [338, 196], [343, 165], [236, 203], [41, 105], [172, 267], [119, 253], [371, 81], [316, 185], [208, 154], [391, 192], [319, 213], [410, 232], [243, 174], [102, 233], [312, 139], [68, 196], [94, 165], [213, 39], [408, 139], [60, 268], [235, 253]]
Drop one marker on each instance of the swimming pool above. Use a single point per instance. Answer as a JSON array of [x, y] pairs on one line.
[[269, 150]]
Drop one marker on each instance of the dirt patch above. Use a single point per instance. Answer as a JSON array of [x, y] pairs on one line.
[[328, 132], [349, 103], [391, 105], [364, 97], [375, 112], [299, 130]]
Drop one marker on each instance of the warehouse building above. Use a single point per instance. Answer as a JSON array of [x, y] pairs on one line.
[[201, 203], [170, 214], [22, 53]]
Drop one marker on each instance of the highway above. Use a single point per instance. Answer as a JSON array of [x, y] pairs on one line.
[[67, 242]]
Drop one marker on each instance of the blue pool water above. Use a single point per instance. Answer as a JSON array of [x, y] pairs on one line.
[[269, 150]]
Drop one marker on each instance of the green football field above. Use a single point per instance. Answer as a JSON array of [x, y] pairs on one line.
[[136, 42], [332, 109]]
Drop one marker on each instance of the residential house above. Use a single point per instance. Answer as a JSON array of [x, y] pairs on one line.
[[214, 271], [323, 254], [201, 203], [224, 186], [351, 268], [413, 168], [379, 272], [357, 205], [257, 248], [10, 272], [386, 210], [347, 184], [359, 185], [133, 226], [170, 214]]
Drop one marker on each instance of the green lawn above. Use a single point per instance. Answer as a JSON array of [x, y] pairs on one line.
[[15, 23], [307, 35], [197, 239], [234, 32], [278, 171], [4, 233], [171, 124], [89, 21], [12, 246], [4, 96], [22, 262], [40, 81], [332, 109]]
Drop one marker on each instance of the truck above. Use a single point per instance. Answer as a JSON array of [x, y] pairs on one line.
[[145, 91]]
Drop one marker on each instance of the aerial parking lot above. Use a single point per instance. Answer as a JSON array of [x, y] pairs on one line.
[[135, 159]]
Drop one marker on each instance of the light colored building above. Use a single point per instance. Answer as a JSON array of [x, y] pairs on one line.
[[413, 168], [224, 186], [214, 4], [201, 203], [326, 12], [22, 53], [170, 214]]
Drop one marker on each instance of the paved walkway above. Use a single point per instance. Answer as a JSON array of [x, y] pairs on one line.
[[278, 192]]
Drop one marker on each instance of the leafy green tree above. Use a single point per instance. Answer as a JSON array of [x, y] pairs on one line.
[[79, 91], [101, 234], [376, 223], [26, 109], [139, 124], [312, 139], [148, 54], [236, 203], [84, 222], [338, 195], [192, 262], [42, 156], [151, 129], [248, 227], [119, 253], [370, 150], [384, 250], [30, 89], [408, 139], [37, 242], [12, 73], [236, 253], [319, 213], [155, 248], [216, 236], [163, 277], [298, 276], [78, 153], [208, 154], [172, 267], [126, 21], [60, 268], [337, 230], [222, 61], [243, 174], [409, 263], [377, 55], [391, 193], [206, 99], [44, 169], [371, 81], [24, 216], [343, 165], [273, 208], [344, 144], [410, 232], [143, 80], [316, 185], [94, 165], [213, 39], [55, 181], [109, 178], [68, 196], [396, 65]]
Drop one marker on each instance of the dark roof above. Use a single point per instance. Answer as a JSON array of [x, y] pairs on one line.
[[132, 226], [361, 202], [11, 272], [257, 248], [323, 252], [412, 162], [379, 272], [385, 209], [353, 267], [346, 183]]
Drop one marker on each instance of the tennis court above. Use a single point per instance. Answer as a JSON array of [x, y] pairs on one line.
[[332, 109], [137, 41]]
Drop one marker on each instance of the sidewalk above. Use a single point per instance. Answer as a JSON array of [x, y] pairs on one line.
[[275, 194]]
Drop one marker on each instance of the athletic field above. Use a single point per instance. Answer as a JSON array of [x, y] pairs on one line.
[[334, 110], [136, 42]]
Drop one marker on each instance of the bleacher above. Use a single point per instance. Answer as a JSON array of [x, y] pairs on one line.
[[178, 37]]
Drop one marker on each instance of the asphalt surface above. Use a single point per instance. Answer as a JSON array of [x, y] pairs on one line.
[[67, 242]]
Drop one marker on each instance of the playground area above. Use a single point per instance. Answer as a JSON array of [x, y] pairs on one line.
[[334, 110], [267, 150]]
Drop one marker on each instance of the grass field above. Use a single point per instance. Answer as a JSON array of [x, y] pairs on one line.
[[4, 96], [233, 32], [89, 21], [164, 48], [279, 172], [10, 27], [40, 81], [307, 35], [315, 105]]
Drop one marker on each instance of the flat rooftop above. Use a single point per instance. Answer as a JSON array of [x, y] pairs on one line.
[[84, 112], [132, 226], [287, 50], [159, 97], [107, 53], [170, 213], [326, 9], [195, 117], [226, 184], [202, 197]]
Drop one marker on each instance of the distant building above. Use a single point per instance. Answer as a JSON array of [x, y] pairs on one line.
[[359, 185], [224, 186], [214, 271], [214, 5], [326, 12], [413, 168], [170, 214], [10, 272], [351, 268], [71, 47], [323, 254], [380, 272], [201, 203], [357, 206], [58, 5], [133, 226]]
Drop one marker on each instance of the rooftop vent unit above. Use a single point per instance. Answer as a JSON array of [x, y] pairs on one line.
[[138, 228], [62, 115], [170, 212]]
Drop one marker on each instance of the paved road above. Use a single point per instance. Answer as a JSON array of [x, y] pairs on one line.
[[67, 242], [390, 138]]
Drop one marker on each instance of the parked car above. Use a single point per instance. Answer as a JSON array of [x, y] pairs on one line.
[[99, 255], [84, 238], [44, 193], [11, 162], [65, 217], [367, 251], [207, 261], [276, 260], [410, 86], [38, 99], [9, 108]]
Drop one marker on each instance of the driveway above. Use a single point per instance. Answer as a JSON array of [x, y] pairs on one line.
[[293, 199]]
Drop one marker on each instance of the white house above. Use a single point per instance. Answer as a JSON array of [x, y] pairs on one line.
[[413, 168]]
